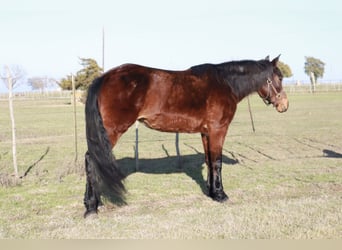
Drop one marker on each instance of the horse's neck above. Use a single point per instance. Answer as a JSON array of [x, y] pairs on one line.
[[243, 77], [244, 85]]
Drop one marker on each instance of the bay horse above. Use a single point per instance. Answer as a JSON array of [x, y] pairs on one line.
[[202, 99]]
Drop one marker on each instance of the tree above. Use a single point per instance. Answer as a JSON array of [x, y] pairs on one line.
[[285, 69], [41, 83], [314, 66], [12, 79], [66, 83], [84, 77]]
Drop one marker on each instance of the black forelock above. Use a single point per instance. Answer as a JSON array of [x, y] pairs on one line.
[[278, 72]]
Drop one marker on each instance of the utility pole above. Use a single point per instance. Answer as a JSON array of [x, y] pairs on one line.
[[103, 48], [75, 118]]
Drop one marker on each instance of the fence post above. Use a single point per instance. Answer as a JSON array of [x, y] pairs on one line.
[[136, 146], [250, 114], [10, 82], [75, 118], [177, 150]]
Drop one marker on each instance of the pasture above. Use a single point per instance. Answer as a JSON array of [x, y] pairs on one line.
[[284, 181]]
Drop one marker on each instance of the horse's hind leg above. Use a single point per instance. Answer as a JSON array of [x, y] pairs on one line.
[[91, 199]]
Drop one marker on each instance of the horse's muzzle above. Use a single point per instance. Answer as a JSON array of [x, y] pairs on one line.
[[282, 104]]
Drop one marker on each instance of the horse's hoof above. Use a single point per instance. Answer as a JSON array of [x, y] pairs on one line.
[[92, 214], [219, 196]]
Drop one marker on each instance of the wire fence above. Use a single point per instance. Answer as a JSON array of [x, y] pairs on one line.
[[307, 88], [162, 147], [39, 95], [54, 95], [65, 94]]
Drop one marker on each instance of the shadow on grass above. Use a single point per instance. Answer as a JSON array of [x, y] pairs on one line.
[[191, 165], [331, 154], [35, 163]]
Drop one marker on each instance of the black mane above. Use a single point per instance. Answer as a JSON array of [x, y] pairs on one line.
[[243, 77], [200, 70]]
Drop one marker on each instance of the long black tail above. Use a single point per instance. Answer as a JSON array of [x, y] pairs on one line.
[[103, 172]]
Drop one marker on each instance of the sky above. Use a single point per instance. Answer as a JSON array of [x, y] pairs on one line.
[[47, 38]]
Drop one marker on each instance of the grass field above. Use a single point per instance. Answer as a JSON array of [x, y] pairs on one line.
[[284, 181]]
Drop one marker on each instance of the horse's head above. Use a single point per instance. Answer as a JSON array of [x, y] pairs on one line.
[[272, 91]]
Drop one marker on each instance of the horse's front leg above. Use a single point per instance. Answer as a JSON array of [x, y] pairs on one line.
[[205, 141], [214, 151], [215, 180]]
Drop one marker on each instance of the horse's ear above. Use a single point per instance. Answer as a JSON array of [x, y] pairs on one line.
[[275, 61], [267, 58]]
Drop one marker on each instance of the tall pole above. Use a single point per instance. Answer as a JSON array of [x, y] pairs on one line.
[[177, 151], [250, 114], [136, 146], [75, 118], [103, 48]]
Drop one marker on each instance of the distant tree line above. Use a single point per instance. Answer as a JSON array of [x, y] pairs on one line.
[[41, 83]]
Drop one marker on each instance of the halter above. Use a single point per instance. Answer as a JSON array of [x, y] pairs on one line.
[[270, 85]]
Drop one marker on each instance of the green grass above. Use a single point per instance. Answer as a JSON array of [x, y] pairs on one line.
[[284, 181]]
